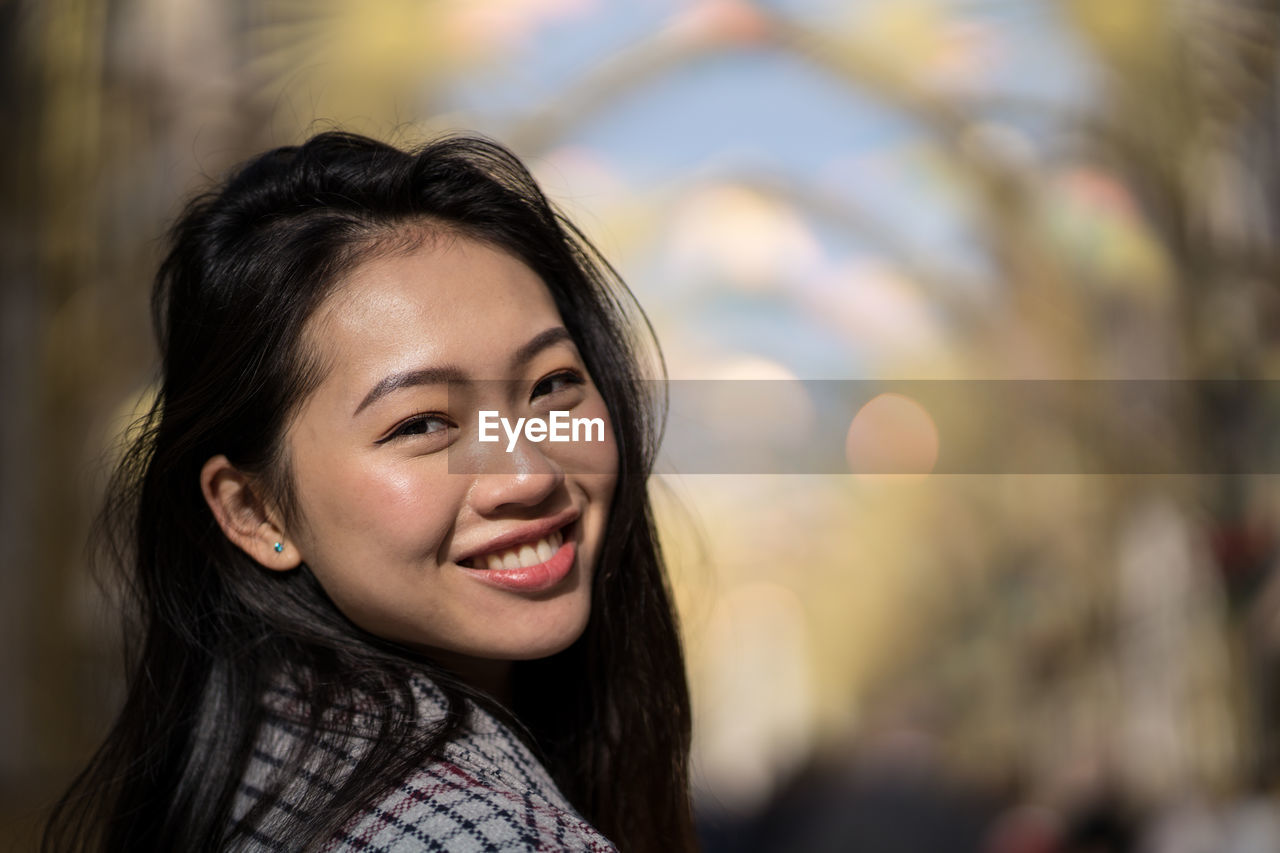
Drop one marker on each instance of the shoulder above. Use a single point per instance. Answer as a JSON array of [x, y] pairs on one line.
[[453, 806], [485, 792]]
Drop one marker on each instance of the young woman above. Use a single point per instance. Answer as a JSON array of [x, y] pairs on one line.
[[358, 627]]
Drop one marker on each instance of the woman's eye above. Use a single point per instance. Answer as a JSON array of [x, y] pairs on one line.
[[419, 425], [557, 382]]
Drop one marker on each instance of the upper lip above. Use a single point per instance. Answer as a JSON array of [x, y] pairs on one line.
[[530, 532]]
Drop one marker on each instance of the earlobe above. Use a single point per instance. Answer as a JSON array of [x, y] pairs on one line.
[[244, 517]]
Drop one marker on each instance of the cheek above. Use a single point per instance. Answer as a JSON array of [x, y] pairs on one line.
[[590, 460], [606, 464], [401, 510], [595, 466]]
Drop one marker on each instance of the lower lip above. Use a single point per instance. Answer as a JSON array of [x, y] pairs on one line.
[[537, 578]]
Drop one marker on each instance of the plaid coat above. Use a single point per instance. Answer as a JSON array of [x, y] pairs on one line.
[[487, 793]]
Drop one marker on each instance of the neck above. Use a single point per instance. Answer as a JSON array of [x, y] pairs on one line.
[[489, 676]]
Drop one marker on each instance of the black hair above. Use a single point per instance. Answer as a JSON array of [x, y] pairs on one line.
[[249, 263]]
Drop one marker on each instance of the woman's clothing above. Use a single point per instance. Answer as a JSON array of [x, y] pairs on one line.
[[487, 792]]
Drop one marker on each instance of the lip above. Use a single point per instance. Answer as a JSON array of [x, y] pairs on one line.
[[537, 578], [530, 532]]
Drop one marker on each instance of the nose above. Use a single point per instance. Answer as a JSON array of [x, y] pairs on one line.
[[523, 478]]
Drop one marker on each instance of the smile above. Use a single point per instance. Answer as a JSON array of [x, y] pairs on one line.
[[524, 556], [534, 565]]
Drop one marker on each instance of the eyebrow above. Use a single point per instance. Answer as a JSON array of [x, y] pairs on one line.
[[409, 379], [539, 342], [449, 373]]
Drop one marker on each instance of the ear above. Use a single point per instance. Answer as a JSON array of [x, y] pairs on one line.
[[244, 517]]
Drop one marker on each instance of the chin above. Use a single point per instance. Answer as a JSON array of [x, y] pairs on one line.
[[544, 640]]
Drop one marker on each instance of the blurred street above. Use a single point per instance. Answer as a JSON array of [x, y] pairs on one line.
[[1079, 651]]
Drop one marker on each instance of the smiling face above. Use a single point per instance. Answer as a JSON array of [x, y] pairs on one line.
[[491, 566]]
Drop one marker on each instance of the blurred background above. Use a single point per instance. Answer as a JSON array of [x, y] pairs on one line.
[[794, 189]]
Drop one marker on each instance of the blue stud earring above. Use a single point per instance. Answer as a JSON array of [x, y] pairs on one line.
[[278, 546]]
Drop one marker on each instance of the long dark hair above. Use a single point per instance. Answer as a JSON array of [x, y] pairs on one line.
[[248, 265]]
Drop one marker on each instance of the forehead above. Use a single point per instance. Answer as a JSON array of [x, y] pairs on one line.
[[448, 299]]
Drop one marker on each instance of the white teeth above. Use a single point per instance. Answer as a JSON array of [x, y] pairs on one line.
[[523, 556]]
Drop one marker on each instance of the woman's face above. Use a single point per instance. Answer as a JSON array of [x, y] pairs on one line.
[[419, 533]]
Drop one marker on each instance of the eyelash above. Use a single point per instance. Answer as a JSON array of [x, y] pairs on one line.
[[572, 377], [402, 429]]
